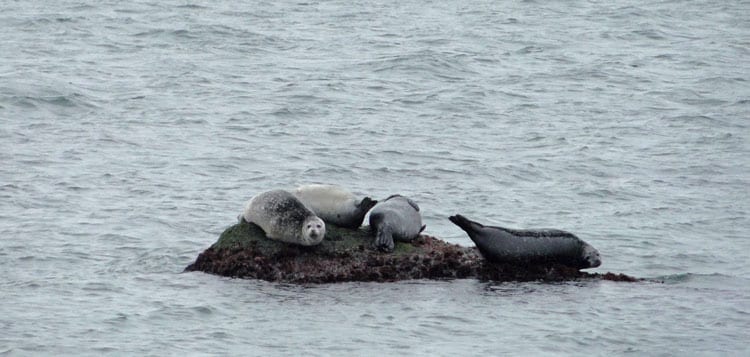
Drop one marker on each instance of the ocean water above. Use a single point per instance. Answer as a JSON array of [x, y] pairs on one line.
[[131, 133]]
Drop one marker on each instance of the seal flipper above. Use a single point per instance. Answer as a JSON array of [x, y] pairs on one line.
[[466, 224], [366, 204], [412, 203], [474, 230], [384, 241], [383, 235]]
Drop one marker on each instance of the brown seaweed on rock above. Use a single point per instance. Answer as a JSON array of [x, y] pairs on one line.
[[243, 251]]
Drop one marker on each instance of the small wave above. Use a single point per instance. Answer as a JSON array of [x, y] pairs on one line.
[[105, 349], [530, 49], [203, 310], [34, 102], [101, 287], [183, 34], [178, 34], [83, 7], [191, 7], [675, 278], [706, 280], [31, 95], [650, 34], [599, 193], [149, 33], [442, 65]]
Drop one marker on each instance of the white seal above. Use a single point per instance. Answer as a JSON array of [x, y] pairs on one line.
[[284, 218], [334, 204]]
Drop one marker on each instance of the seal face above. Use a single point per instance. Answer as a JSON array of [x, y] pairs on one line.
[[284, 218], [395, 218], [334, 204], [504, 245]]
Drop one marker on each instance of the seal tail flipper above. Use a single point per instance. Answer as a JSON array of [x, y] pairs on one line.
[[412, 203], [384, 241], [367, 203], [465, 223]]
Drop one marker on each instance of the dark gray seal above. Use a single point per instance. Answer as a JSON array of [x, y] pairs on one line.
[[503, 245], [395, 218], [283, 217], [334, 204]]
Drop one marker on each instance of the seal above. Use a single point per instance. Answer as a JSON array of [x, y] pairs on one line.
[[284, 218], [543, 246], [395, 218], [334, 204]]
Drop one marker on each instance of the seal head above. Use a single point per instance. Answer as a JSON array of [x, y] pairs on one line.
[[591, 256], [313, 231]]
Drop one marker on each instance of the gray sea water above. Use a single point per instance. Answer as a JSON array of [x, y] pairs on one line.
[[131, 133]]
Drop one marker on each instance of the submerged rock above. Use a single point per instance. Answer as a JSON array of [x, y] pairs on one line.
[[243, 251]]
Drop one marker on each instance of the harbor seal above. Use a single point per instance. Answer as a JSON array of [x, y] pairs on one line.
[[284, 218], [334, 204], [395, 218], [503, 245]]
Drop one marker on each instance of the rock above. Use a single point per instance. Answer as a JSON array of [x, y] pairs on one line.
[[243, 251]]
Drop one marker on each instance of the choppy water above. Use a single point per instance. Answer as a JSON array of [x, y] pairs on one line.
[[132, 132]]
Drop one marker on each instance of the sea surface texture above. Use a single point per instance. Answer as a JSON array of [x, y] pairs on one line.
[[132, 133]]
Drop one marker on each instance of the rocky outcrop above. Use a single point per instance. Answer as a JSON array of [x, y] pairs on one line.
[[243, 251]]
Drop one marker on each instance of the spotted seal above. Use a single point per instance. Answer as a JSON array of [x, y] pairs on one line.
[[284, 218], [395, 218], [334, 204], [503, 245]]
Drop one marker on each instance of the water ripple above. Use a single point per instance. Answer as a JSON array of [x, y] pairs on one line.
[[132, 133]]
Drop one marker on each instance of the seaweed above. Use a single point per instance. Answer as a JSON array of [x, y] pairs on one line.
[[243, 251]]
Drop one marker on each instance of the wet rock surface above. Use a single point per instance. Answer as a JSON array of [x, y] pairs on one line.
[[243, 251]]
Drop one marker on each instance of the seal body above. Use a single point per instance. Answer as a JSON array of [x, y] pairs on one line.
[[503, 245], [395, 218], [283, 217], [334, 204]]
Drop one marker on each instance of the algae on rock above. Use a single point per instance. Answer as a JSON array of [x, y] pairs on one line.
[[243, 251], [337, 239]]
